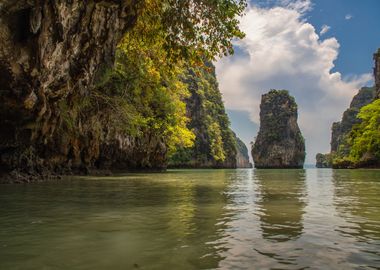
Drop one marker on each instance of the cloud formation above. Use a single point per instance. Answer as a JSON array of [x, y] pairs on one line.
[[283, 51], [348, 17], [324, 29]]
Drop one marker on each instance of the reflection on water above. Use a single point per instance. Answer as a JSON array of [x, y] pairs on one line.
[[195, 219], [357, 200], [282, 202]]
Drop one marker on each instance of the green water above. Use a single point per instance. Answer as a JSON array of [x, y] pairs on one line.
[[195, 219]]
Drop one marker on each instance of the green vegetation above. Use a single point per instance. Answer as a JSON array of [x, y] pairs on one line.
[[159, 64], [363, 142], [201, 28], [137, 111], [323, 160], [144, 93], [215, 143]]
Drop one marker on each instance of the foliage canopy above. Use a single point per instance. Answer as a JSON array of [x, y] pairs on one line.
[[196, 28]]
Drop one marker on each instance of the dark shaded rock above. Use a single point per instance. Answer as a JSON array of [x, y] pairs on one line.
[[279, 143], [242, 156], [125, 152], [340, 130], [376, 71], [323, 160], [51, 54]]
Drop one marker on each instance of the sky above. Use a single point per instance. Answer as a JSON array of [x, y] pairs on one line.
[[319, 50]]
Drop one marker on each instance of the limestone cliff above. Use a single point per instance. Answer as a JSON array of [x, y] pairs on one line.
[[51, 53], [341, 129], [215, 143], [69, 107], [355, 140], [279, 143], [242, 156], [376, 71], [323, 160]]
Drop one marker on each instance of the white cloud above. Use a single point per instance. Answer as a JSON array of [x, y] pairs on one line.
[[325, 28], [283, 51], [301, 6], [348, 17]]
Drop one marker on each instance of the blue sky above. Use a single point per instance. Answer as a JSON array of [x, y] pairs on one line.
[[285, 48], [359, 37]]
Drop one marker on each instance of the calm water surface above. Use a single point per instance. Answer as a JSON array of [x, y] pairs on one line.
[[195, 219]]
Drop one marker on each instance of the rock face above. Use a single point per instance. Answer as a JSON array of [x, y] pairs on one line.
[[323, 160], [341, 129], [376, 71], [242, 157], [279, 143], [51, 54], [215, 143]]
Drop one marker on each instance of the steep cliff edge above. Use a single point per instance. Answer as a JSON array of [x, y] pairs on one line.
[[215, 144], [67, 106], [340, 130], [242, 156], [279, 143], [376, 71], [355, 139], [51, 53]]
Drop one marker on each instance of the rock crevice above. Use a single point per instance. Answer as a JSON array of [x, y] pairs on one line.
[[51, 53]]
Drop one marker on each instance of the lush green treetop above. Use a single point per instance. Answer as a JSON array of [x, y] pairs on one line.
[[197, 28]]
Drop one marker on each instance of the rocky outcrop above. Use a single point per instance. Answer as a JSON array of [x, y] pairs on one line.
[[242, 157], [51, 54], [340, 130], [351, 146], [279, 143], [323, 160], [376, 58], [215, 143]]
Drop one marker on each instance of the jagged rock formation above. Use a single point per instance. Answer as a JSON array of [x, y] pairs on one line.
[[215, 143], [354, 141], [67, 106], [341, 129], [323, 160], [279, 143], [51, 53], [376, 72], [242, 157]]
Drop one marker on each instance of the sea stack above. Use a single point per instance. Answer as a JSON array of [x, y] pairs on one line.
[[279, 143]]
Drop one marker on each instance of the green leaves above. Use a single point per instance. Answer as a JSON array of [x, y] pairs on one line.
[[198, 28], [361, 147], [365, 137]]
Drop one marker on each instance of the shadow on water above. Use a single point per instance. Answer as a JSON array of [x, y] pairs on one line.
[[281, 203], [142, 221]]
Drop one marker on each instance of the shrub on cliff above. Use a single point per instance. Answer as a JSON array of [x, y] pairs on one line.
[[364, 139]]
